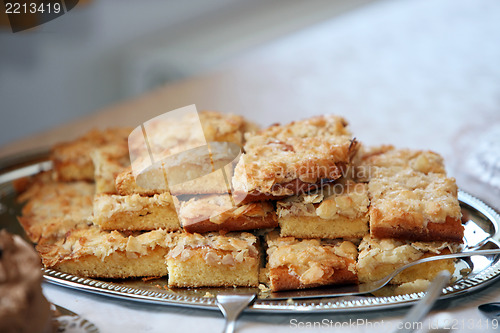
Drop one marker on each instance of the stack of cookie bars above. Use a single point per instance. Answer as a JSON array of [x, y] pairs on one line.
[[310, 206]]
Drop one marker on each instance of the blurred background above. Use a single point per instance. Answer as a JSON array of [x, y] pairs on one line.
[[421, 74], [103, 51]]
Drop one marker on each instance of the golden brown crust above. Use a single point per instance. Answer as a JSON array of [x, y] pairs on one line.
[[411, 199], [210, 183], [217, 213], [280, 191], [225, 127], [280, 160], [234, 224], [296, 264], [415, 206], [402, 228], [240, 245], [168, 135], [282, 279], [71, 160]]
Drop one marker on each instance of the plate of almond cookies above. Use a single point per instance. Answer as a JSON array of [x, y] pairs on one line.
[[297, 206]]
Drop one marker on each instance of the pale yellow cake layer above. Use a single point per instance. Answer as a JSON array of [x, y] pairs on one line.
[[338, 210], [425, 271], [195, 272], [316, 227], [116, 266], [214, 260]]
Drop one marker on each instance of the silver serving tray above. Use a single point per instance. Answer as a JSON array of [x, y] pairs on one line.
[[482, 231]]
